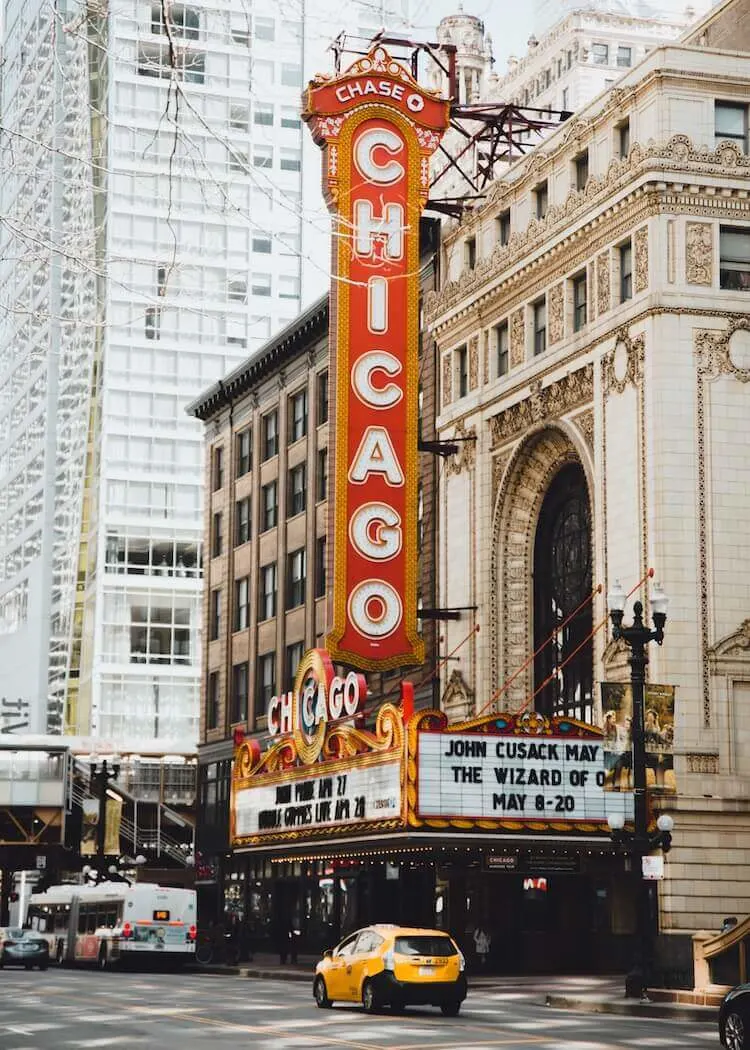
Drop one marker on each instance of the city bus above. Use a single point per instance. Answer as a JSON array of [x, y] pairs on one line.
[[115, 922]]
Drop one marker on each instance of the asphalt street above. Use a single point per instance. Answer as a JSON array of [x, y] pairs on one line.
[[63, 1009]]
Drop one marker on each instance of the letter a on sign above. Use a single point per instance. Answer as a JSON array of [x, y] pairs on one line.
[[378, 129]]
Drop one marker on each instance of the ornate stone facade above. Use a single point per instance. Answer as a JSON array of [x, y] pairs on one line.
[[640, 252], [602, 283], [543, 404], [517, 339], [556, 313], [699, 252]]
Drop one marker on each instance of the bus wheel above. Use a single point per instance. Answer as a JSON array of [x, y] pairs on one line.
[[103, 960], [60, 954]]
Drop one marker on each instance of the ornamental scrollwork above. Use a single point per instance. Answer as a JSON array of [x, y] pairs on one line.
[[556, 313], [699, 251], [640, 251], [465, 458], [623, 366], [714, 351], [542, 404]]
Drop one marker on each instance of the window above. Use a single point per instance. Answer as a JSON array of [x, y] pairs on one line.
[[215, 614], [263, 114], [266, 686], [262, 243], [239, 693], [541, 200], [244, 451], [295, 578], [212, 700], [262, 156], [290, 160], [238, 162], [503, 227], [288, 287], [501, 348], [730, 123], [267, 592], [297, 495], [241, 521], [153, 322], [181, 20], [265, 28], [241, 36], [579, 301], [291, 74], [623, 139], [565, 103], [218, 468], [320, 567], [290, 118], [562, 586], [293, 656], [322, 384], [239, 117], [217, 538], [263, 71], [242, 604], [539, 315], [624, 57], [297, 416], [270, 496], [261, 284], [734, 264], [237, 290], [601, 54], [270, 425], [626, 271], [470, 252], [581, 169], [462, 370], [322, 479]]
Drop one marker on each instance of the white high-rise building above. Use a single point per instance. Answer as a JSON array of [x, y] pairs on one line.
[[152, 237]]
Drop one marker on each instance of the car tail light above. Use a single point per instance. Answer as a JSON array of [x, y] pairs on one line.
[[388, 960], [461, 962], [192, 933], [127, 931]]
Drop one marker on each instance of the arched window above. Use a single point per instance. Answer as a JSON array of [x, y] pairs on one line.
[[562, 582]]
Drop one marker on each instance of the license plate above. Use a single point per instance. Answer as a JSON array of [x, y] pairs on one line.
[[426, 971]]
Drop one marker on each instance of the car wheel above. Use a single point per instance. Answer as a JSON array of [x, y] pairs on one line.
[[450, 1009], [370, 999], [321, 994], [736, 1032], [60, 954]]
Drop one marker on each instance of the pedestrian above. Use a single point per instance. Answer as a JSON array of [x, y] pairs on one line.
[[482, 945]]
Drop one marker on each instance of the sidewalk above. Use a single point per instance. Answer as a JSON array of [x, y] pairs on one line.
[[585, 994]]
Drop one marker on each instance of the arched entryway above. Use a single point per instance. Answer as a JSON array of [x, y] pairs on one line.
[[563, 619]]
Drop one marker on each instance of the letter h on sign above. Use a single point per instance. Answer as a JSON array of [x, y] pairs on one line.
[[378, 129]]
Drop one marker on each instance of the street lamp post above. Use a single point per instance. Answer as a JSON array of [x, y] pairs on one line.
[[640, 843], [101, 774]]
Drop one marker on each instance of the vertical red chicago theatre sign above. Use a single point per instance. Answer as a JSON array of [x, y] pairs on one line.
[[378, 128]]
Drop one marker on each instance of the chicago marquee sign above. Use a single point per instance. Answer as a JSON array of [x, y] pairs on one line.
[[378, 129]]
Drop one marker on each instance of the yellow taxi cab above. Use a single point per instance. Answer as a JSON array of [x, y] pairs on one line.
[[385, 965]]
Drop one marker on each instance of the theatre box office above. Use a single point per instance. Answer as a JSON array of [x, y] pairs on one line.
[[497, 825]]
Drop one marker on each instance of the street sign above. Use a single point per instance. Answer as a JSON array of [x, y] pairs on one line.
[[652, 867]]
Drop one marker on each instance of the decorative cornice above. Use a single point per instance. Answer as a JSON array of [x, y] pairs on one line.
[[678, 152], [733, 646], [542, 405]]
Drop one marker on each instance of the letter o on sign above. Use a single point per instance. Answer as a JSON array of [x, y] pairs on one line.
[[415, 103], [375, 608]]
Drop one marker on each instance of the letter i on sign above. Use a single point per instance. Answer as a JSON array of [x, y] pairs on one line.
[[377, 128]]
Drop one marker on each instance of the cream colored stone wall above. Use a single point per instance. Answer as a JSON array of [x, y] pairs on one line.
[[651, 397]]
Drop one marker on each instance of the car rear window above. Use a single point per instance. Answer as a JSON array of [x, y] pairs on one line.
[[424, 946]]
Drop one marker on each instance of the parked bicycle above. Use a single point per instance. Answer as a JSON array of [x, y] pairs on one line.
[[217, 946]]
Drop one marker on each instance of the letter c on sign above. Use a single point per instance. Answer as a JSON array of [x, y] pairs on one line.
[[375, 608], [376, 361], [367, 143]]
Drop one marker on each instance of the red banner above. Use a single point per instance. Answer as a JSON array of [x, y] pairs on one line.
[[378, 128]]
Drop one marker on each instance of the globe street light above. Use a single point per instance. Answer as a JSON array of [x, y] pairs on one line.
[[639, 843]]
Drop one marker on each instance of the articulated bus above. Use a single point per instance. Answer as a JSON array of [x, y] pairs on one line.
[[115, 922]]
